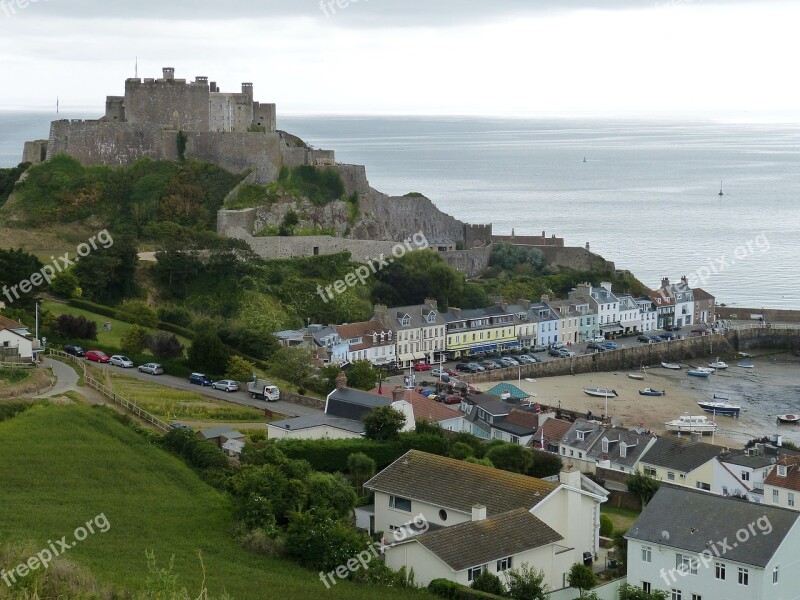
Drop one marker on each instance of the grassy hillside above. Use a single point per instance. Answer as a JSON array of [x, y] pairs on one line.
[[63, 465]]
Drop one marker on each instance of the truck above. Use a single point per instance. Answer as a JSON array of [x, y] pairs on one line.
[[262, 389]]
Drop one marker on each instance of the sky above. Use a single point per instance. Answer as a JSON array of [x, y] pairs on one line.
[[726, 58]]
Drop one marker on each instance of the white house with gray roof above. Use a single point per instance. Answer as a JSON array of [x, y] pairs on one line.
[[699, 546], [588, 445], [419, 331]]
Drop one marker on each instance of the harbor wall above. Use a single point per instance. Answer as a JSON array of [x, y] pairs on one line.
[[772, 315], [686, 350]]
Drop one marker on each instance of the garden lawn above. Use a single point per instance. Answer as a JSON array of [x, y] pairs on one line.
[[622, 518], [171, 404], [64, 465], [111, 338]]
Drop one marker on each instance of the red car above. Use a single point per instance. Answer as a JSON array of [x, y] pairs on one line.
[[97, 356], [452, 400], [422, 367], [451, 372]]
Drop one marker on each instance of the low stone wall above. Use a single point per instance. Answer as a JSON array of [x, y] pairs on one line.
[[306, 401], [652, 354]]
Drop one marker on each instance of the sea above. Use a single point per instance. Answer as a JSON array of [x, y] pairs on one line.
[[643, 193]]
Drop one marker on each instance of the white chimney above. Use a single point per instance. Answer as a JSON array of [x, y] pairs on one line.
[[570, 477], [479, 512]]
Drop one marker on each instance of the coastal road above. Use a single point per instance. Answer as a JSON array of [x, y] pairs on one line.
[[242, 398]]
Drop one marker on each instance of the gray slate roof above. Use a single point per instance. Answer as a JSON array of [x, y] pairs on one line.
[[353, 404], [308, 422], [692, 518], [593, 433], [459, 485], [636, 444], [478, 542], [216, 432], [680, 454]]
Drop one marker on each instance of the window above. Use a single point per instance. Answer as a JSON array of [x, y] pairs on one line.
[[580, 454], [744, 576], [504, 564], [473, 572], [646, 587], [745, 476], [399, 503], [719, 570], [671, 476], [697, 597], [686, 564], [790, 498], [775, 575], [775, 496], [649, 471], [676, 595], [647, 554], [703, 486]]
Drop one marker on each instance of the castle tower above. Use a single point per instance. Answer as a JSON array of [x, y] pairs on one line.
[[247, 89], [168, 73]]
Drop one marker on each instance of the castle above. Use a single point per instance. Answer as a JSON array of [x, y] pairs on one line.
[[167, 118]]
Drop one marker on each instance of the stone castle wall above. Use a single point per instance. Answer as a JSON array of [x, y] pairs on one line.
[[238, 152], [530, 240], [471, 262], [35, 152], [576, 258], [111, 144], [169, 103]]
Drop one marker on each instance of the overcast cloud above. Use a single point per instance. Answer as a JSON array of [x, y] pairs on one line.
[[503, 57]]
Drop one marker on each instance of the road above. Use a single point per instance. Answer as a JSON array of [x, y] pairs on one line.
[[242, 398]]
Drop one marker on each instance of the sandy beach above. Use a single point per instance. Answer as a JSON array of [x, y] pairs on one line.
[[629, 409]]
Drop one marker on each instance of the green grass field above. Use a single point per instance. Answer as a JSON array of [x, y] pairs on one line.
[[9, 377], [622, 518], [172, 404], [63, 465], [106, 338]]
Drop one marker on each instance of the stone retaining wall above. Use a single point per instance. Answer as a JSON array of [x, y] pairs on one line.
[[306, 401]]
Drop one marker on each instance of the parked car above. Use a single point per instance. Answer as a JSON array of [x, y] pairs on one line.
[[452, 400], [554, 352], [524, 359], [599, 339], [667, 335], [97, 356], [557, 345], [440, 375], [538, 348], [566, 353], [476, 367], [121, 361], [509, 362], [644, 339], [422, 366], [180, 426], [609, 345], [151, 368], [672, 327], [595, 346], [488, 364], [227, 385], [74, 350], [200, 379], [654, 339], [700, 331], [463, 367], [451, 372]]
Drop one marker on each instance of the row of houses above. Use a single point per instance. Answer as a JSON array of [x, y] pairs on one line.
[[407, 335]]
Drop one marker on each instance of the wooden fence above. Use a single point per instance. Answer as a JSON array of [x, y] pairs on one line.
[[110, 393]]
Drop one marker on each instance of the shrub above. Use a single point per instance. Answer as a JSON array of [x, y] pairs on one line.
[[383, 423], [177, 315], [488, 582], [332, 455], [606, 526], [450, 589], [66, 285], [460, 450], [138, 313], [322, 544], [134, 340], [76, 327], [240, 369], [165, 345]]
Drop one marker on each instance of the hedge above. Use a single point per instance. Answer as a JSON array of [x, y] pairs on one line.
[[331, 455], [450, 589]]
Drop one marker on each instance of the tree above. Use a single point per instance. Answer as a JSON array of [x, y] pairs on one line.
[[76, 327], [383, 423], [643, 486], [545, 464], [293, 365], [416, 276], [460, 450], [289, 222], [479, 461], [108, 273], [621, 549], [330, 492], [526, 583], [509, 256], [606, 526], [510, 457], [360, 467], [582, 577], [207, 352], [134, 340], [17, 271], [165, 345], [66, 285], [489, 583], [138, 313], [361, 375], [240, 369]]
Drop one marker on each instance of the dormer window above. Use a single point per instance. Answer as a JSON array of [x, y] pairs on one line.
[[781, 470], [431, 318], [579, 435], [605, 445], [405, 321], [623, 450]]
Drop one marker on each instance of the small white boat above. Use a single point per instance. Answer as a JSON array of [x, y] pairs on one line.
[[637, 376], [788, 418], [745, 364], [691, 424], [600, 393], [652, 392], [673, 366], [718, 364], [699, 372]]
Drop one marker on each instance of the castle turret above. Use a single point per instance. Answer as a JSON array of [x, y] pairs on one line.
[[168, 73]]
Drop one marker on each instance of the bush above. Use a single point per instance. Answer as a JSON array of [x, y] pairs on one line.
[[177, 315], [488, 582], [332, 455], [606, 526], [450, 589], [138, 313], [201, 454], [322, 544], [165, 345], [134, 340], [545, 464], [207, 353], [240, 369], [460, 450], [76, 327], [66, 285]]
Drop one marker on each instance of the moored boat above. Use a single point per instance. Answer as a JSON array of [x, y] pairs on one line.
[[600, 393], [718, 364], [637, 376], [651, 392], [746, 364], [720, 408], [673, 366], [699, 372], [691, 424], [788, 418]]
